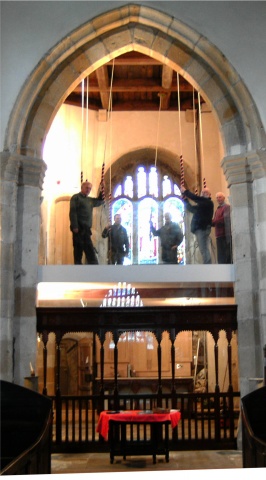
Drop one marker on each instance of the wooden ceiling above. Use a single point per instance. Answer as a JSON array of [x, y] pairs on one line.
[[139, 83]]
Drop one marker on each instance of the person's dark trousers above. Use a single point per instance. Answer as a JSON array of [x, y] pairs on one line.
[[203, 239], [117, 258], [223, 250], [82, 243], [169, 255]]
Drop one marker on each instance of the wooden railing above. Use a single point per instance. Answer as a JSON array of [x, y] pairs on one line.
[[26, 424], [208, 420], [253, 413], [34, 460]]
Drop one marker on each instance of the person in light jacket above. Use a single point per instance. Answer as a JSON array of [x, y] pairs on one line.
[[171, 236], [118, 247]]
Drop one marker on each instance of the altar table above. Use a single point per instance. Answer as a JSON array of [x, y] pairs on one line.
[[113, 426]]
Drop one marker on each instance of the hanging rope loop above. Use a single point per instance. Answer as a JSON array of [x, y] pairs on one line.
[[158, 127]]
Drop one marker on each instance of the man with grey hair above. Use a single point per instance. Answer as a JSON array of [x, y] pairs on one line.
[[80, 215], [222, 224]]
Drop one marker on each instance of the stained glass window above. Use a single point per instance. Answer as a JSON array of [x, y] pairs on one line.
[[138, 210], [124, 207], [147, 243]]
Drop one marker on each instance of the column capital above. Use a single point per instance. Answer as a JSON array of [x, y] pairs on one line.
[[244, 168], [22, 169]]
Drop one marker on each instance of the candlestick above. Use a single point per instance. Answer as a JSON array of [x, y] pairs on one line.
[[32, 371]]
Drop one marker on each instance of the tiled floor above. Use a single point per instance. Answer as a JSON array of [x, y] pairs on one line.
[[100, 462]]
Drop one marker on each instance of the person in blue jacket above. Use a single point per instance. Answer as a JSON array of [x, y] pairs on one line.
[[201, 222]]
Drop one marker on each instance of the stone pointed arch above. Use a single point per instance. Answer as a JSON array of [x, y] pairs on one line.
[[154, 33], [149, 31], [146, 154]]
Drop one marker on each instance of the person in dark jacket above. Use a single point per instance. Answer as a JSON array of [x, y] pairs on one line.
[[222, 224], [171, 236], [80, 214], [118, 241], [201, 220]]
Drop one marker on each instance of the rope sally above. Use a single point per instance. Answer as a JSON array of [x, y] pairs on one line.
[[201, 142], [182, 171]]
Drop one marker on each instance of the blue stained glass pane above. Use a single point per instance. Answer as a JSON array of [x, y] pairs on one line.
[[153, 182], [166, 186], [118, 191], [141, 176], [128, 190], [147, 243], [177, 190], [125, 208], [175, 206]]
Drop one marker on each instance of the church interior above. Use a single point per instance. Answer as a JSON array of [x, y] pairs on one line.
[[139, 116]]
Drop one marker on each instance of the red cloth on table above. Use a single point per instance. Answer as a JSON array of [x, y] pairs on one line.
[[135, 416]]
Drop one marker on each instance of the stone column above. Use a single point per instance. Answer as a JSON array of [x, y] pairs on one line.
[[21, 179], [249, 240], [257, 164]]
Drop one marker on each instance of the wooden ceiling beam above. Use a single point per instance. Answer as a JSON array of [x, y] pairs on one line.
[[135, 85], [167, 77], [167, 80], [103, 82], [134, 61]]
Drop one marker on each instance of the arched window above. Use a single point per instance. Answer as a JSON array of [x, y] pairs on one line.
[[144, 196]]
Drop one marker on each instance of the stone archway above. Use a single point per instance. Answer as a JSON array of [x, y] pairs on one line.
[[153, 33], [135, 27]]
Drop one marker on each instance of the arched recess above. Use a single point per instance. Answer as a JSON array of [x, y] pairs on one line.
[[151, 32], [128, 164], [146, 155]]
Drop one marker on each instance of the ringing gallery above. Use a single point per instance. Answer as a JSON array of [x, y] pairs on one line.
[[141, 99]]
